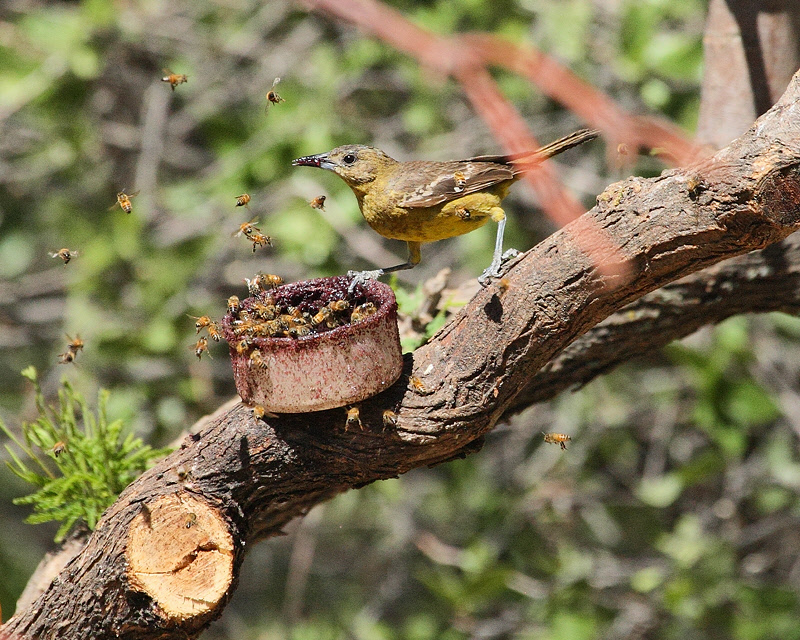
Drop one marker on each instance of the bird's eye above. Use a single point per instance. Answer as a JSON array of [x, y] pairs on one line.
[[350, 158]]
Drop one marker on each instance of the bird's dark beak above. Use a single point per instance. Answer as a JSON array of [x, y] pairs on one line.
[[319, 160]]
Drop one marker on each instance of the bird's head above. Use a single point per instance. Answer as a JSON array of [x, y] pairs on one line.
[[356, 164]]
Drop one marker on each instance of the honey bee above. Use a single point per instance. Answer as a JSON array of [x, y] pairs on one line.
[[200, 347], [65, 254], [241, 346], [389, 418], [257, 359], [242, 200], [270, 280], [323, 315], [272, 95], [339, 305], [59, 448], [260, 240], [75, 344], [66, 358], [463, 213], [299, 331], [265, 311], [557, 438], [202, 322], [362, 312], [503, 285], [318, 203], [260, 412], [460, 180], [419, 387], [174, 78], [233, 305], [247, 229], [213, 331], [353, 419], [191, 520], [124, 201]]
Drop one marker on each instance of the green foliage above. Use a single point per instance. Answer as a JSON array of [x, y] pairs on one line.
[[87, 462]]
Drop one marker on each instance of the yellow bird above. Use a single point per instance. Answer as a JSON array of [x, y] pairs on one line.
[[423, 201]]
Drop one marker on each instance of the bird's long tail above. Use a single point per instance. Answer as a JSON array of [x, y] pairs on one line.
[[527, 160]]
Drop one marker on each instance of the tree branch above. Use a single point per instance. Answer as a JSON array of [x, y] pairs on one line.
[[164, 558]]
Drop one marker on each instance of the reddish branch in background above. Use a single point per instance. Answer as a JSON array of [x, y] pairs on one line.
[[466, 58]]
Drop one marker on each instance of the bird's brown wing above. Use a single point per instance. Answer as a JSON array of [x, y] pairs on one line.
[[427, 184]]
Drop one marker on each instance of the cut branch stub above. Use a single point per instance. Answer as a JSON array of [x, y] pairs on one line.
[[180, 553]]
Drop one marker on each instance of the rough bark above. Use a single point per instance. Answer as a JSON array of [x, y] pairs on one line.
[[241, 479]]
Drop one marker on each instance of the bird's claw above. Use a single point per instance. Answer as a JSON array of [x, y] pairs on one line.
[[496, 269], [361, 277]]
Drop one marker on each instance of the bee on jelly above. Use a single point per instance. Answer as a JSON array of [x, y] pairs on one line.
[[242, 200], [124, 201], [174, 78], [557, 438], [268, 280], [318, 203], [65, 254], [362, 312], [272, 95]]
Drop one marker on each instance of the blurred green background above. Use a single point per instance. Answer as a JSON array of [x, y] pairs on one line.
[[674, 513]]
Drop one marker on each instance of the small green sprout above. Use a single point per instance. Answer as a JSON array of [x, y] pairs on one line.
[[84, 468]]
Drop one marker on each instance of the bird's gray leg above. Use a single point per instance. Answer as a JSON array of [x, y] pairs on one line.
[[494, 270], [360, 277]]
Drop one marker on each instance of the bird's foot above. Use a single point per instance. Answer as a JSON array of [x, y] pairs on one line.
[[496, 269], [361, 277]]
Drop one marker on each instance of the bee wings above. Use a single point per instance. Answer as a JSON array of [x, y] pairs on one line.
[[430, 183]]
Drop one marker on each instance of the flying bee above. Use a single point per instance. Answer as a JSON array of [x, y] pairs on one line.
[[557, 438], [75, 344], [389, 418], [233, 305], [362, 312], [59, 448], [242, 200], [463, 213], [202, 322], [213, 331], [174, 78], [247, 229], [353, 419], [124, 201], [256, 359], [65, 254], [200, 347], [268, 280], [419, 387], [66, 358], [318, 203], [272, 95], [259, 240], [460, 180]]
